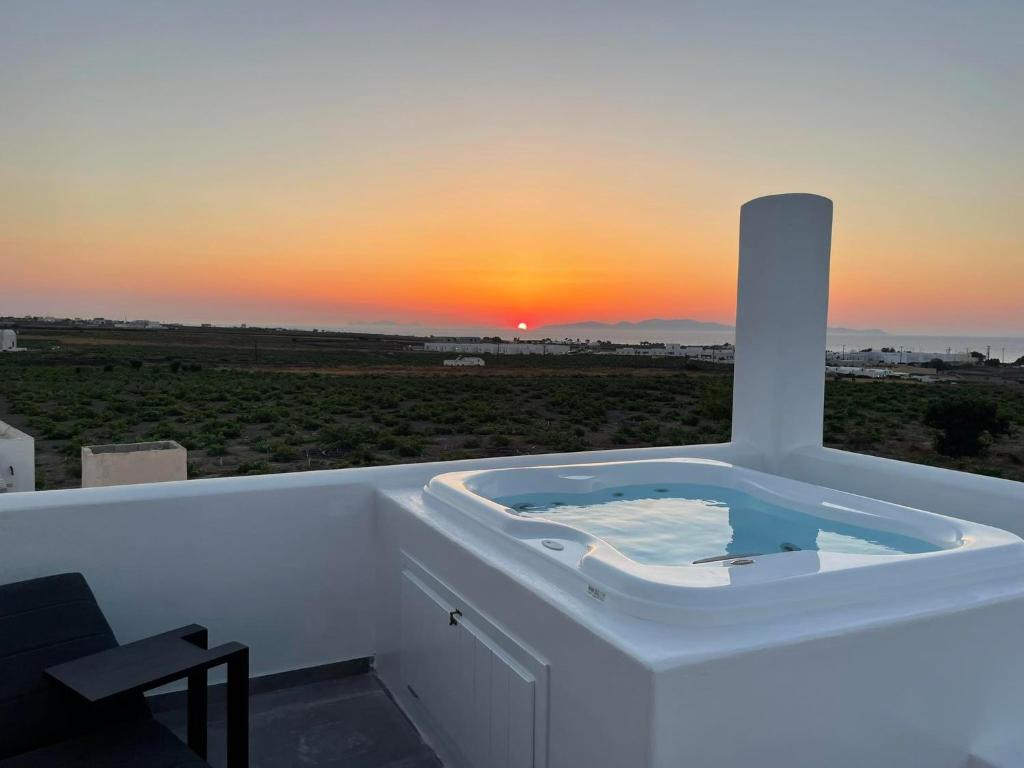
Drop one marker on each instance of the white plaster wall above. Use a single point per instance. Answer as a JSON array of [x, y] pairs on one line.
[[280, 565], [980, 499], [17, 459], [905, 695]]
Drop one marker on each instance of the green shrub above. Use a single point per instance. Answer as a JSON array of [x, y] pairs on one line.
[[967, 426], [282, 452], [410, 448]]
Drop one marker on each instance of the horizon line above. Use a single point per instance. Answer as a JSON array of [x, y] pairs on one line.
[[383, 324]]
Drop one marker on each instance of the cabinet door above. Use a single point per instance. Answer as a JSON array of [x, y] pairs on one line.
[[478, 697]]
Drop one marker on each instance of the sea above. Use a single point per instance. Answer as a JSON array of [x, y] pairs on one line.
[[1007, 349]]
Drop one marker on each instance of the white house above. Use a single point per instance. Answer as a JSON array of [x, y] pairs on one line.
[[878, 357], [493, 348], [715, 354], [149, 325], [854, 370], [461, 361], [9, 341]]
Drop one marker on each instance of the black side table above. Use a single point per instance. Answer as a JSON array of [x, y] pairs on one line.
[[146, 664]]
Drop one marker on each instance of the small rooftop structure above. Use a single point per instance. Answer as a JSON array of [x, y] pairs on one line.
[[17, 460], [132, 463]]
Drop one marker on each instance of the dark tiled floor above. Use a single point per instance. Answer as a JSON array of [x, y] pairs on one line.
[[349, 721]]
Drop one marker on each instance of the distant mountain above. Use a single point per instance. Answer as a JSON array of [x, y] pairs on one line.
[[839, 331], [382, 322], [683, 324], [654, 324]]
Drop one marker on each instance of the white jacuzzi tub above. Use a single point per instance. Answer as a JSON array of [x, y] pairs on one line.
[[850, 549]]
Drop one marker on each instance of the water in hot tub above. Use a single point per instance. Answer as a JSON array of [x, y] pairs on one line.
[[675, 524]]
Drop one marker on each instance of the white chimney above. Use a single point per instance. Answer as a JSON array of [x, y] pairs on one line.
[[781, 324]]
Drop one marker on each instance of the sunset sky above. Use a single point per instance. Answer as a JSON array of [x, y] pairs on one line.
[[324, 163]]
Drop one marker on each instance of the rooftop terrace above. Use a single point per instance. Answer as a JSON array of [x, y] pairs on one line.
[[496, 649]]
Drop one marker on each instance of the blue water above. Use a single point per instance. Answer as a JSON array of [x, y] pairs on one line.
[[675, 524]]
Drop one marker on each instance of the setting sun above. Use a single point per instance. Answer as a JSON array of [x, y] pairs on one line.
[[521, 326]]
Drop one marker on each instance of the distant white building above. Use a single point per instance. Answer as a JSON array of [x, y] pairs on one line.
[[9, 341], [497, 348], [637, 351], [878, 357], [148, 325], [464, 361], [716, 354], [853, 370]]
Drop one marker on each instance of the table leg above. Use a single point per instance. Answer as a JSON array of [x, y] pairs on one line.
[[238, 709], [197, 701], [197, 712]]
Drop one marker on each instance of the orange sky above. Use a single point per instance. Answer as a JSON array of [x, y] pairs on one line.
[[318, 180]]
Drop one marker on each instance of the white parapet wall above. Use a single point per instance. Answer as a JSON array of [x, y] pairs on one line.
[[17, 460], [131, 463], [781, 320]]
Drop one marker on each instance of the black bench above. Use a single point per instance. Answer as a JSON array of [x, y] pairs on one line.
[[71, 696]]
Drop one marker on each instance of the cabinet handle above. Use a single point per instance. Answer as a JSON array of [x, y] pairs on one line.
[[452, 620]]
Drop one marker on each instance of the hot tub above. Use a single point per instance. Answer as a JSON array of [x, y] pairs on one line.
[[699, 540]]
